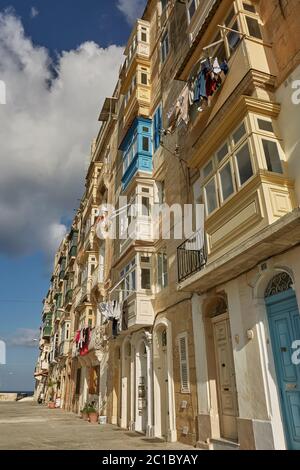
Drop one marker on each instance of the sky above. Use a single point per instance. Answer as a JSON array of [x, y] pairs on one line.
[[59, 59]]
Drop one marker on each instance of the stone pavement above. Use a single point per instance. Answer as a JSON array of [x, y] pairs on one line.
[[27, 426]]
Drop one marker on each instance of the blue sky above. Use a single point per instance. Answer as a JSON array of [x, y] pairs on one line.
[[35, 204]]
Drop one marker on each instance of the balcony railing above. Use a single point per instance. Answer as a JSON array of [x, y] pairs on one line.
[[191, 256]]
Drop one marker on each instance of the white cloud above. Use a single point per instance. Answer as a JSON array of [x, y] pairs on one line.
[[46, 129], [34, 12], [24, 337], [132, 9]]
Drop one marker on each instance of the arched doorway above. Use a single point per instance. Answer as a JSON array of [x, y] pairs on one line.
[[221, 369], [141, 388], [284, 323]]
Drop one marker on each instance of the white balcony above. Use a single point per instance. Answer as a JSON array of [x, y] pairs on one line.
[[140, 311]]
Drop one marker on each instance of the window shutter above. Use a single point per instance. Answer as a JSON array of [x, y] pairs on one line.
[[184, 366], [159, 270]]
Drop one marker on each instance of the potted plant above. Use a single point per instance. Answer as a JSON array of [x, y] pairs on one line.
[[103, 417], [93, 414], [85, 413]]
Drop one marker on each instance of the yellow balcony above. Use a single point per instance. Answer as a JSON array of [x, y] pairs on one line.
[[260, 221]]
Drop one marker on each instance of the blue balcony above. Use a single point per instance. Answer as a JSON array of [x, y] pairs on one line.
[[137, 150]]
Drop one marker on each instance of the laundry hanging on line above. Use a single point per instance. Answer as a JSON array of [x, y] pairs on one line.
[[199, 90]]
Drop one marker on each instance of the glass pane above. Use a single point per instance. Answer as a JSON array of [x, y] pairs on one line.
[[146, 144], [211, 196], [229, 17], [226, 181], [145, 206], [145, 281], [253, 27], [244, 164], [265, 125], [192, 9], [233, 38], [222, 153], [239, 133], [249, 7], [207, 170], [144, 37], [144, 79], [272, 156]]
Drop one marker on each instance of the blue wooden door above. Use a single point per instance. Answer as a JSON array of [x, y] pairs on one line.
[[284, 321]]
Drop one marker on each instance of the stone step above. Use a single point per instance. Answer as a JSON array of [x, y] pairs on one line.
[[223, 444]]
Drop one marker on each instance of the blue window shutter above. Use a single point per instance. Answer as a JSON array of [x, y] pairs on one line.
[[157, 127]]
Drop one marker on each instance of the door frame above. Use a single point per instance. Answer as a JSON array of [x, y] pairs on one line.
[[272, 392], [214, 320], [164, 323], [273, 300]]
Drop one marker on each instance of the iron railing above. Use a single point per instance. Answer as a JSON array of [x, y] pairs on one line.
[[191, 256]]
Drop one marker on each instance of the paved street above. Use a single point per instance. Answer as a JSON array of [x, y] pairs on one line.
[[27, 426]]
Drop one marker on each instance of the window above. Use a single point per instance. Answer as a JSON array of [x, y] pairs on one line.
[[128, 274], [144, 78], [146, 206], [272, 156], [249, 7], [184, 363], [146, 278], [145, 144], [265, 125], [239, 133], [164, 3], [162, 270], [222, 153], [253, 27], [208, 169], [231, 167], [244, 164], [165, 46], [157, 126], [211, 196], [192, 6], [227, 187]]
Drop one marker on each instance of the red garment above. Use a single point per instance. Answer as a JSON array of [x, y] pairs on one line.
[[77, 336], [211, 84]]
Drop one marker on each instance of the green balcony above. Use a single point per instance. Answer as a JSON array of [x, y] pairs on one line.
[[73, 251], [69, 296], [47, 330]]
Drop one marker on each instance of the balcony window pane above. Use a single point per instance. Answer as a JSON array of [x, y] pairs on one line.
[[192, 9], [230, 17], [145, 144], [253, 27], [244, 164], [222, 153], [249, 7], [226, 181], [239, 133], [145, 278], [272, 156], [145, 206], [207, 170], [233, 38], [144, 79], [265, 125], [211, 196]]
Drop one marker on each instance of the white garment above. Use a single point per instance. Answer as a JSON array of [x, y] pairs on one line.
[[216, 66]]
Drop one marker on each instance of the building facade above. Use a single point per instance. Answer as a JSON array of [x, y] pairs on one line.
[[189, 336]]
